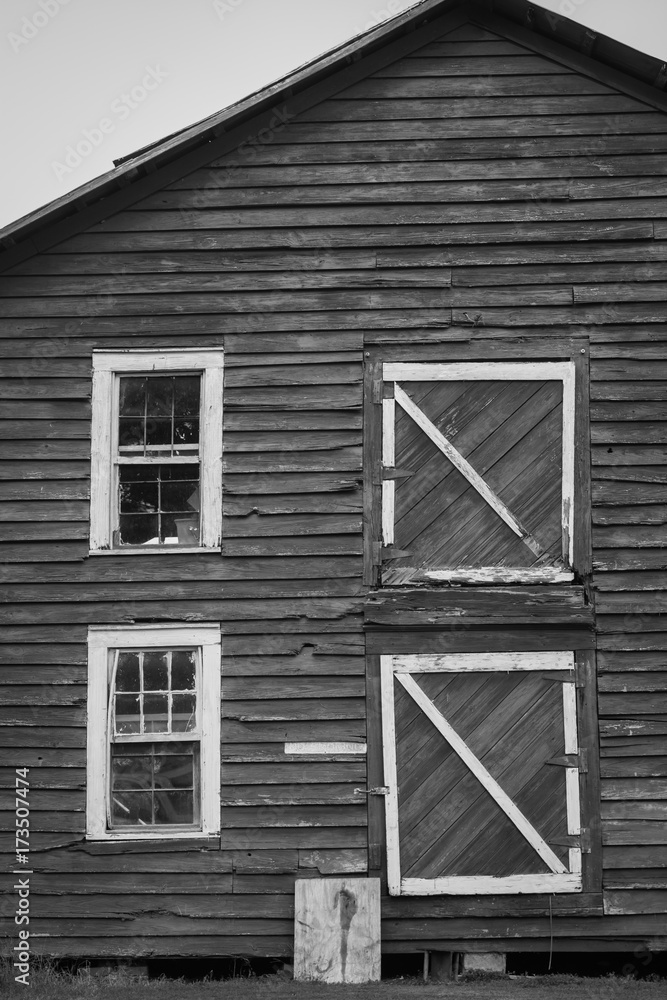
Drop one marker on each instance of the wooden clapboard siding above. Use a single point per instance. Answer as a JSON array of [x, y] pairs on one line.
[[474, 196]]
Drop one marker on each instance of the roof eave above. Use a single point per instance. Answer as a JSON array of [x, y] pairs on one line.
[[630, 70], [155, 155]]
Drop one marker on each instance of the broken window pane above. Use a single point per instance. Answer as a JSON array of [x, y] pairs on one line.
[[159, 415], [165, 700], [183, 716], [128, 714], [183, 669], [159, 504]]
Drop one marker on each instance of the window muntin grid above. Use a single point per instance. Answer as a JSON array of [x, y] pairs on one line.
[[157, 457], [154, 691], [158, 415], [154, 784], [158, 504]]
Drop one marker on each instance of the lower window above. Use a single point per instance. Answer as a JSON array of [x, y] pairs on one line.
[[482, 765], [153, 732]]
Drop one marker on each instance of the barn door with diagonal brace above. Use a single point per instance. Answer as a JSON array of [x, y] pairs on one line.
[[482, 765], [478, 472]]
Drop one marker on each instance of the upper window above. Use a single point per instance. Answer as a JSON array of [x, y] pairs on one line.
[[478, 476], [153, 731], [156, 450]]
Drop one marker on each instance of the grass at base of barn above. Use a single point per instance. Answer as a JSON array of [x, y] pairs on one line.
[[48, 984]]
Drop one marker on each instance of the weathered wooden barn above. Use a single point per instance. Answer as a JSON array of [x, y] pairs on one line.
[[358, 389]]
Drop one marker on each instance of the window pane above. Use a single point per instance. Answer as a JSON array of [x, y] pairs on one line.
[[134, 769], [138, 497], [154, 784], [159, 396], [183, 664], [131, 809], [156, 713], [183, 717], [173, 807], [186, 396], [128, 718], [132, 396], [139, 529], [158, 435], [175, 767], [186, 432], [130, 433], [156, 671], [159, 504], [127, 673], [182, 496]]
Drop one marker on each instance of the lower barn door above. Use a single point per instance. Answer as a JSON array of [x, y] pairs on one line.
[[481, 761]]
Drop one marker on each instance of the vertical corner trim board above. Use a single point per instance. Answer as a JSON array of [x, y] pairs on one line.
[[337, 930]]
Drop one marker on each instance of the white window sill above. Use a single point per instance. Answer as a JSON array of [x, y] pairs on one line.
[[153, 551], [106, 838]]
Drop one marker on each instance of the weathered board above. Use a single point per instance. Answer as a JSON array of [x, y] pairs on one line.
[[337, 930]]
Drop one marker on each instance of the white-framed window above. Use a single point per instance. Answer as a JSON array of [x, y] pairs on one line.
[[156, 457], [153, 732]]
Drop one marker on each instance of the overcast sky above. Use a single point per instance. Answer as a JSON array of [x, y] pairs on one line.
[[118, 74]]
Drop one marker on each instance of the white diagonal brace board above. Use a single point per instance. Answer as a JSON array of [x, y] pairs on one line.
[[460, 747], [463, 466]]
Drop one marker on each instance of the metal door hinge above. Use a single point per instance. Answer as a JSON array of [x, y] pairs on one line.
[[387, 473], [391, 552], [578, 760], [581, 840]]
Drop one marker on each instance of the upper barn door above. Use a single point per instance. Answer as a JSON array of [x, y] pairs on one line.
[[481, 763], [478, 472]]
